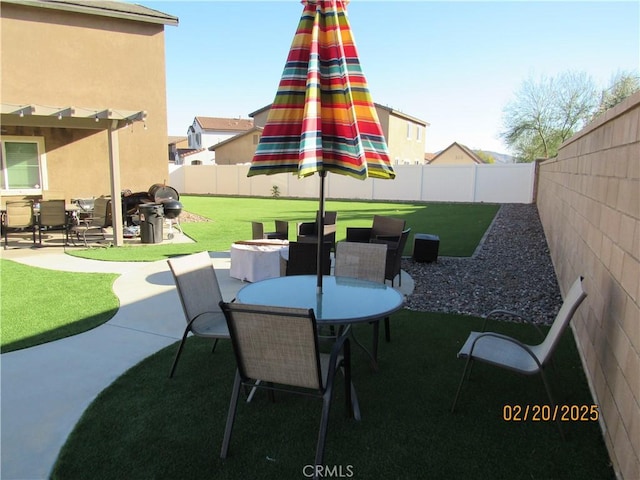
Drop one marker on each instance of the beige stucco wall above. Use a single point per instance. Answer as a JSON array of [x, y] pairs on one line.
[[240, 150], [589, 203], [453, 156], [403, 149], [57, 58]]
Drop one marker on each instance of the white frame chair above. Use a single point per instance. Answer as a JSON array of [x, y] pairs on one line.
[[200, 295], [511, 354]]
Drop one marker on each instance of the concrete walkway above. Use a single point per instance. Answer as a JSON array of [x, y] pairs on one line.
[[45, 389]]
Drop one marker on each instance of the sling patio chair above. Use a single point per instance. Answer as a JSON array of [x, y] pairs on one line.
[[53, 215], [94, 226], [18, 217], [276, 348], [365, 261], [200, 295], [511, 354]]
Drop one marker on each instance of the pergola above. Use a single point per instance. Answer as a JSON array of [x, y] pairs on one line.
[[110, 120]]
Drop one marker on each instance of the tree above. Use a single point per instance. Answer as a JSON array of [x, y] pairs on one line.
[[623, 85], [547, 112], [485, 156]]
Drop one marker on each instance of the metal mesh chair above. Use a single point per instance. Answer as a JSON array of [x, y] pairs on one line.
[[93, 227], [365, 261], [18, 216], [511, 354], [276, 348], [200, 295], [53, 214]]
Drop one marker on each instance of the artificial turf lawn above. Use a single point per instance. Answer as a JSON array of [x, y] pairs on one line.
[[146, 425], [459, 226], [40, 305]]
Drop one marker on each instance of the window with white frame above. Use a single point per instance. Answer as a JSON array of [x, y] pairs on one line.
[[408, 130], [24, 164], [418, 133]]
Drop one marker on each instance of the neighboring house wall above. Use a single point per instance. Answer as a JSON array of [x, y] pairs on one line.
[[60, 58], [456, 154], [239, 149], [404, 135], [205, 132], [589, 204]]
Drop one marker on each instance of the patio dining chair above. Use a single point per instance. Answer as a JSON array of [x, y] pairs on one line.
[[365, 261], [511, 354], [200, 295], [18, 216], [276, 348], [53, 215], [93, 227]]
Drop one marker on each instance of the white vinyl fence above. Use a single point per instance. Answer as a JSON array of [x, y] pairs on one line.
[[447, 183]]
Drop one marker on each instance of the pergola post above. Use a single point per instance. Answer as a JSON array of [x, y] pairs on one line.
[[114, 168]]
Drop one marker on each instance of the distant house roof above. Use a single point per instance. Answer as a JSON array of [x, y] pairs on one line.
[[468, 151], [225, 124], [122, 10], [388, 109], [429, 156], [185, 152], [173, 140], [236, 137]]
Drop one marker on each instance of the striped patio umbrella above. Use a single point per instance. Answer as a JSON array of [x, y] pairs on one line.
[[323, 118]]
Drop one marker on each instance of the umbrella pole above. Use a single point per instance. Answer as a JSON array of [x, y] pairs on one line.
[[320, 253]]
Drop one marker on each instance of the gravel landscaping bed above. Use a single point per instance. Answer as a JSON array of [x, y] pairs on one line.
[[511, 269]]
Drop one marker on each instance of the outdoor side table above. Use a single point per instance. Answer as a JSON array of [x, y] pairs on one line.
[[425, 247]]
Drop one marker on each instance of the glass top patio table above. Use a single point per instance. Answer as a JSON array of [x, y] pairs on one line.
[[343, 300]]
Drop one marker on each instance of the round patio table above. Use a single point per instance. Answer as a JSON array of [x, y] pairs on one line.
[[343, 300]]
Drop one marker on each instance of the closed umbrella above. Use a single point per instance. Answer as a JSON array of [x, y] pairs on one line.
[[323, 118]]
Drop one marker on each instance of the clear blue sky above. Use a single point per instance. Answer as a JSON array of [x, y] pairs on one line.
[[452, 64]]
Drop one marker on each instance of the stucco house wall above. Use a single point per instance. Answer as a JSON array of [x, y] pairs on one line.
[[589, 204], [239, 149], [405, 136], [456, 154], [56, 57]]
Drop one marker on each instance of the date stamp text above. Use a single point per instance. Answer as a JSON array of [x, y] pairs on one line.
[[550, 413]]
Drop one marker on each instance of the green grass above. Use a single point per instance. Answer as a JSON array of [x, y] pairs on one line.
[[460, 226], [147, 426], [69, 303], [40, 305]]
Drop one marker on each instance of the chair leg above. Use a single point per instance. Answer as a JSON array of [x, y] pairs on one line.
[[231, 416], [324, 424], [464, 373], [547, 387], [215, 343], [175, 361]]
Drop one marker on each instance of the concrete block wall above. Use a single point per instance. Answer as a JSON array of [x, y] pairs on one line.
[[589, 204]]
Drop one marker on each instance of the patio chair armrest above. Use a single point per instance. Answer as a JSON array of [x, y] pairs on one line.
[[358, 234], [507, 338]]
